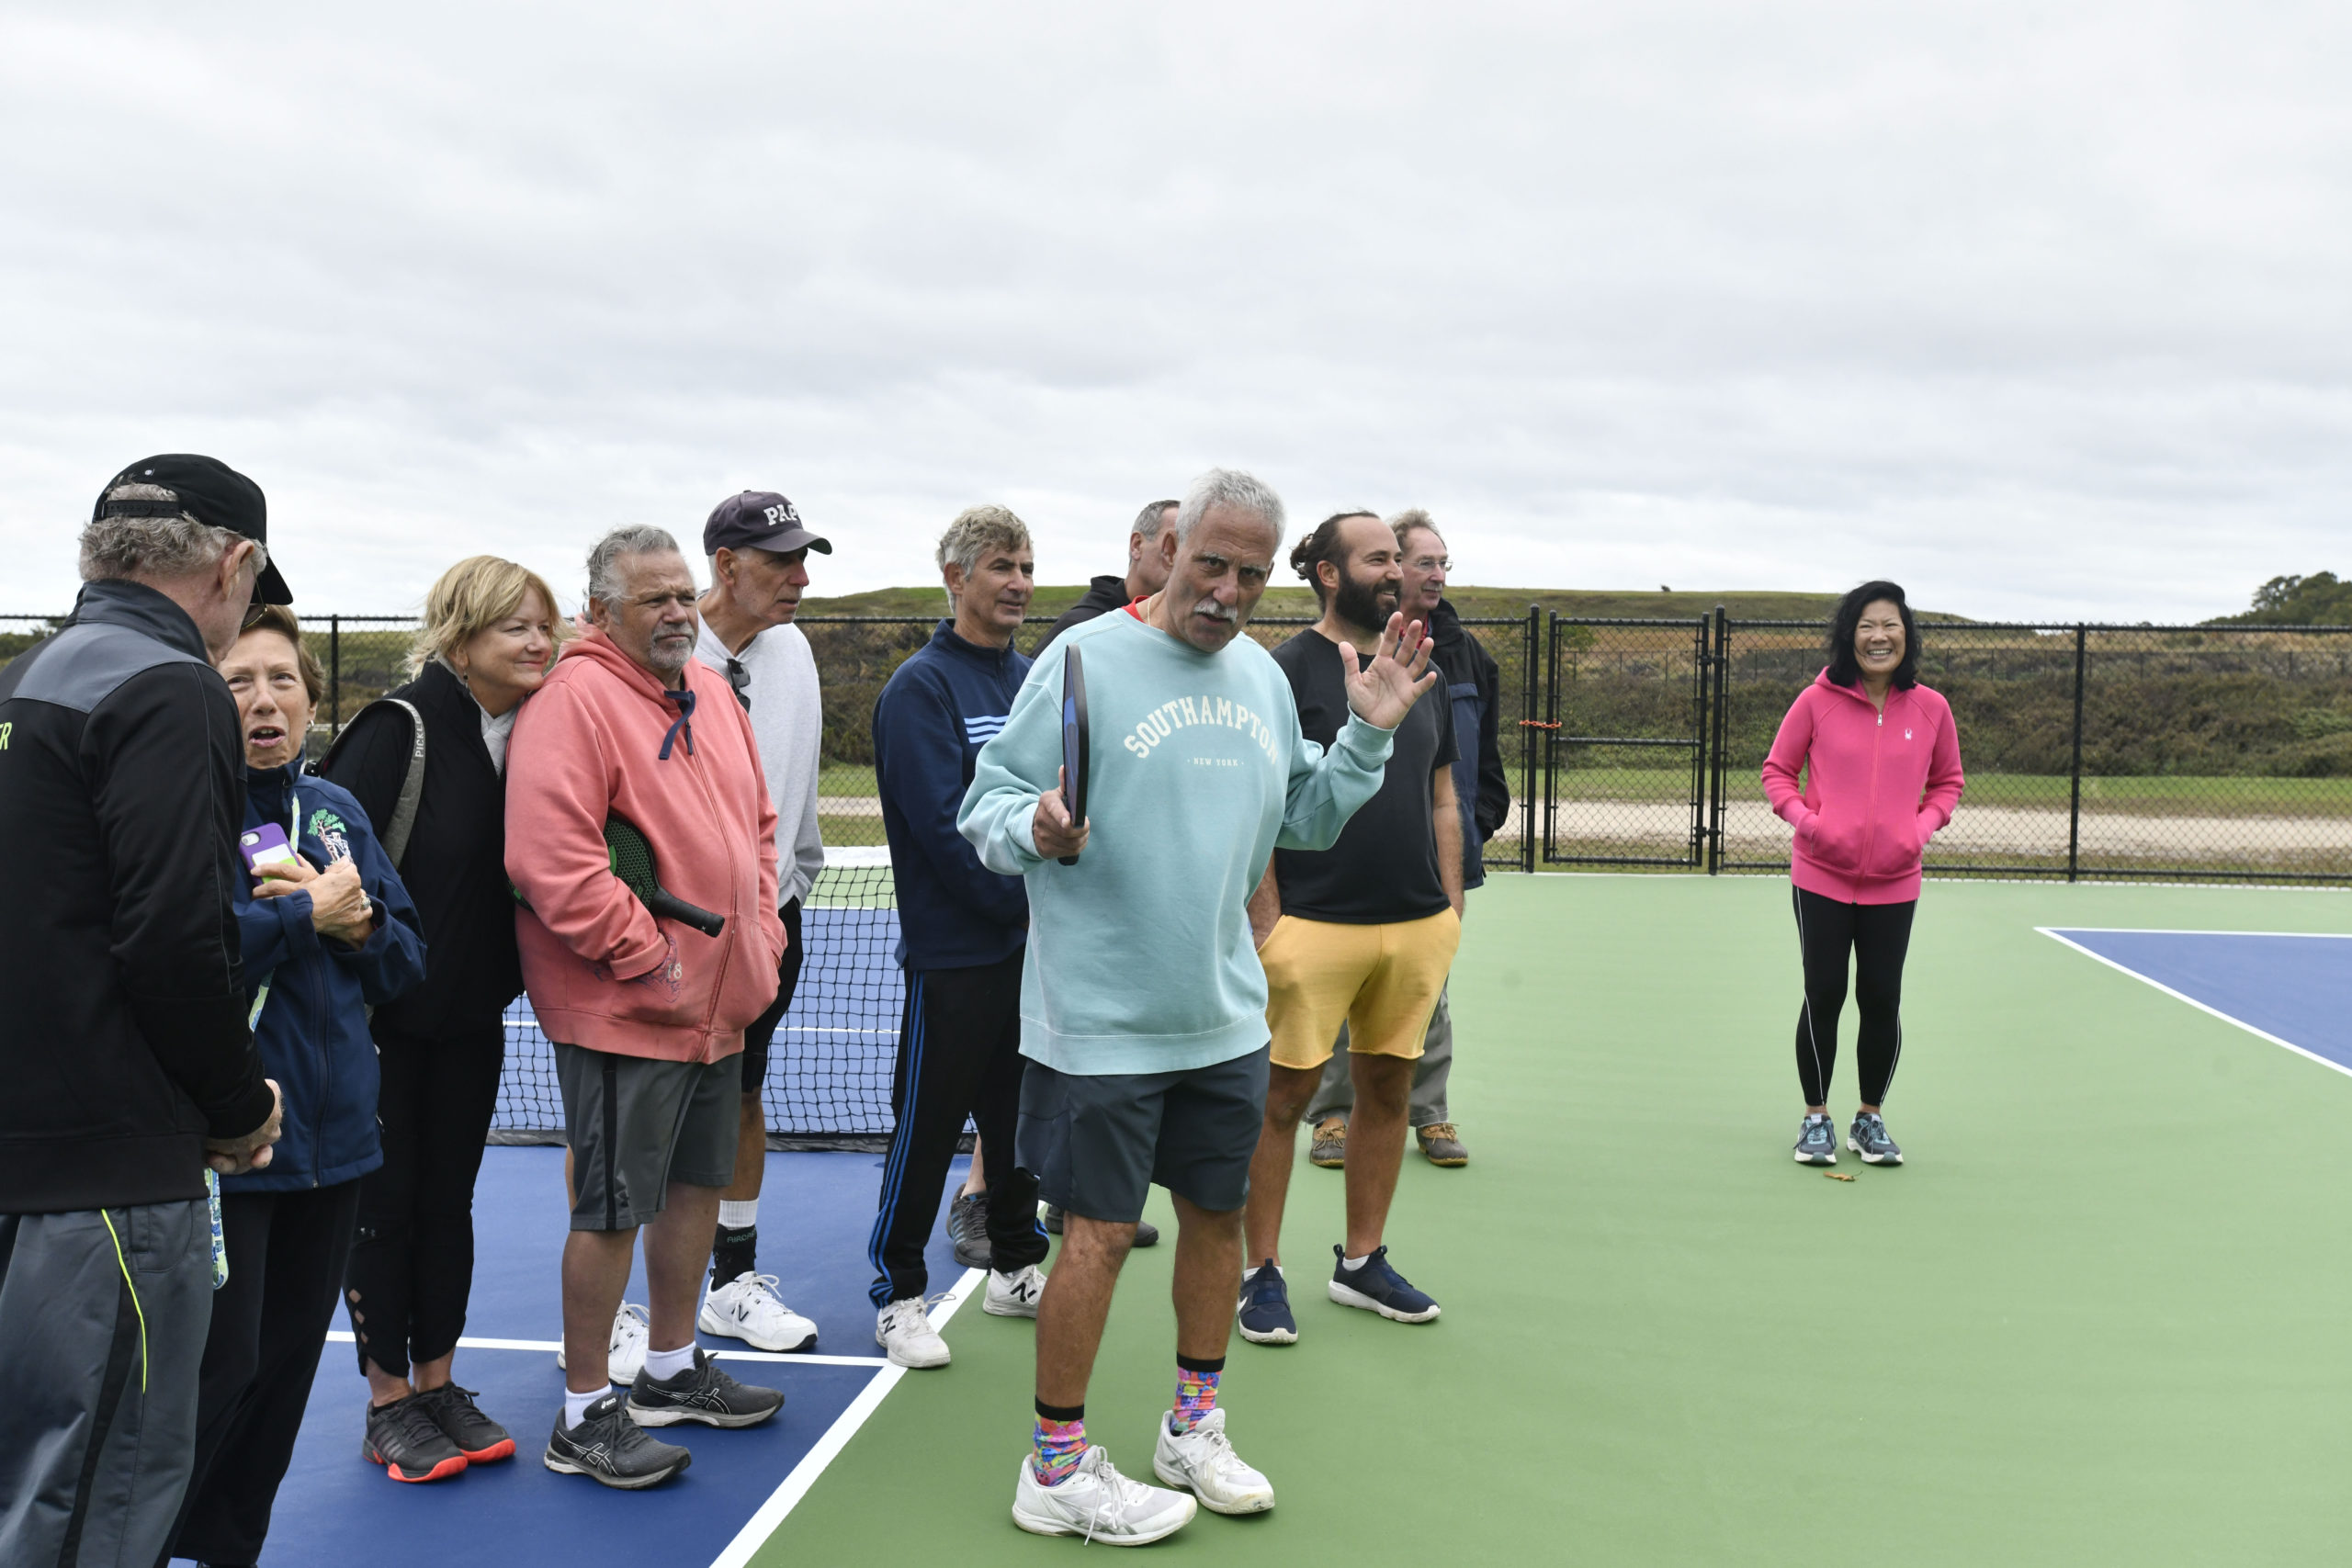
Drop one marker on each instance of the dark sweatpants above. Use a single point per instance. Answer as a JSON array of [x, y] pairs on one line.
[[1876, 937], [412, 1264], [959, 1054], [100, 1333], [287, 1252]]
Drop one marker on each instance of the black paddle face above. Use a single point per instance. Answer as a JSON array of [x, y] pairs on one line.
[[1075, 750], [631, 857]]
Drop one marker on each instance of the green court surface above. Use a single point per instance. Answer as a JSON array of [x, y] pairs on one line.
[[2102, 1316]]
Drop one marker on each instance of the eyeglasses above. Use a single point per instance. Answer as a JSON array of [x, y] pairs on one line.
[[1432, 563]]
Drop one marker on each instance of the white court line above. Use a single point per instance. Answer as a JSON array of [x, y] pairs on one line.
[[344, 1336], [2183, 930], [2192, 1001], [786, 1497]]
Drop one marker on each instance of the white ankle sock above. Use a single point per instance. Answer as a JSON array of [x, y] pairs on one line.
[[575, 1406], [737, 1216], [663, 1365], [1250, 1273], [1352, 1264]]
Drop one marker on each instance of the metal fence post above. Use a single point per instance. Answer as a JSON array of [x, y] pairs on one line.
[[334, 675], [1715, 733], [2074, 793], [1526, 734]]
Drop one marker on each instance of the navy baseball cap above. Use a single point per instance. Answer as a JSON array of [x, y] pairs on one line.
[[209, 491], [759, 520]]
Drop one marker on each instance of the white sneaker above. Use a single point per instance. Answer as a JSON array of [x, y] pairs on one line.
[[1097, 1502], [903, 1330], [746, 1308], [1203, 1464], [625, 1354], [1014, 1295]]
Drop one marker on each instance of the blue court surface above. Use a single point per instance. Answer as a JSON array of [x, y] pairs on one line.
[[816, 1211], [2292, 990]]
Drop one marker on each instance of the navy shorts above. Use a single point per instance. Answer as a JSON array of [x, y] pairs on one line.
[[1096, 1142]]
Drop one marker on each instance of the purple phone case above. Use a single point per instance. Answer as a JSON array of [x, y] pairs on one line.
[[254, 842]]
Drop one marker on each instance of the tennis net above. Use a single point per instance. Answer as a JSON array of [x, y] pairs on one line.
[[828, 1072]]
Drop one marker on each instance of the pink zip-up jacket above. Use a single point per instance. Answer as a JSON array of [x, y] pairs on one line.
[[600, 971], [1876, 785]]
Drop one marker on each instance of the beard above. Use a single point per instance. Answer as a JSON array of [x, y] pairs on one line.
[[1363, 602]]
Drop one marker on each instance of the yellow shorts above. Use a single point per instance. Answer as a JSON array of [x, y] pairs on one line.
[[1381, 981]]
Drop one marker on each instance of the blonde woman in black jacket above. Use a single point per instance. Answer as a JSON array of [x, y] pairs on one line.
[[491, 633]]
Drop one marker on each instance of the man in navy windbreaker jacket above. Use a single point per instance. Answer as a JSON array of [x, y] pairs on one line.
[[963, 931]]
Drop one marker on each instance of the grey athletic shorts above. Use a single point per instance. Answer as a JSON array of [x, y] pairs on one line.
[[636, 1125], [1097, 1143]]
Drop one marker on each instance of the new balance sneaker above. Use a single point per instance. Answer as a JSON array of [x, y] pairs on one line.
[[403, 1438], [702, 1392], [1263, 1315], [1328, 1148], [1867, 1137], [1817, 1141], [1441, 1144], [746, 1308], [480, 1438], [1147, 1234], [903, 1330], [1013, 1295], [1376, 1287], [1202, 1462], [1097, 1502], [967, 1228], [610, 1448], [626, 1354]]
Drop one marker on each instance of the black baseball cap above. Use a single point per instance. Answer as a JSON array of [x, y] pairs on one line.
[[762, 520], [209, 491]]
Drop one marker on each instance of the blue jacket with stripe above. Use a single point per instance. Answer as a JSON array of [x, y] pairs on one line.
[[940, 706]]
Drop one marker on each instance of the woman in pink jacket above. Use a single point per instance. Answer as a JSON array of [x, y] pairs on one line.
[[1881, 766]]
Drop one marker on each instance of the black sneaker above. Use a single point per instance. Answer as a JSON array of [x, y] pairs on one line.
[[1263, 1315], [608, 1446], [967, 1228], [405, 1439], [702, 1392], [480, 1438]]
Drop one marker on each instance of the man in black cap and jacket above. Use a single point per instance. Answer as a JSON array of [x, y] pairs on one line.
[[125, 1043]]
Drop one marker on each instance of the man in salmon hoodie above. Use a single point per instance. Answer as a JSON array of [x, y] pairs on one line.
[[649, 1013]]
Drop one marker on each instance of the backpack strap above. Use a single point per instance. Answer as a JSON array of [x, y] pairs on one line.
[[394, 836]]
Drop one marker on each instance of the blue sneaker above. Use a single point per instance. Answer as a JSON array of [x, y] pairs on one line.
[[1266, 1316], [1867, 1137], [1817, 1141], [1375, 1287]]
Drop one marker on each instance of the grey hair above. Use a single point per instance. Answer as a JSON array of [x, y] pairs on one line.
[[630, 539], [1148, 520], [154, 549], [975, 531], [1413, 517], [1227, 487]]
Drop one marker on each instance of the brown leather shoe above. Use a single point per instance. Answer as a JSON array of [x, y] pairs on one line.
[[1329, 1148], [1441, 1142]]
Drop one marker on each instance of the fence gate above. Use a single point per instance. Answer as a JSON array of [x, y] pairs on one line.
[[1624, 742]]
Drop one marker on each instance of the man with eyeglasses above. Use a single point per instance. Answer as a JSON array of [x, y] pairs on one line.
[[758, 551], [1482, 794], [125, 1043]]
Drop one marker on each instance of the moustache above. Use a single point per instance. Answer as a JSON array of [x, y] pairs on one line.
[[1214, 611]]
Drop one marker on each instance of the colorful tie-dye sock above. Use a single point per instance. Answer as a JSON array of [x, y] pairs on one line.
[[1195, 1392], [1060, 1439]]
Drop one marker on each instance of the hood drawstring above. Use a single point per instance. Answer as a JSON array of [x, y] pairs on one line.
[[684, 721]]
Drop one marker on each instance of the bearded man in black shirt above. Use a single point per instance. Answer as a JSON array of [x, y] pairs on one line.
[[1360, 934]]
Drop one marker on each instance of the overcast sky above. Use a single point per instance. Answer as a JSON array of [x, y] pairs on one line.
[[2040, 308]]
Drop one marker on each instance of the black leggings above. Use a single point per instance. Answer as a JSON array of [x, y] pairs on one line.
[[1878, 935], [413, 1264]]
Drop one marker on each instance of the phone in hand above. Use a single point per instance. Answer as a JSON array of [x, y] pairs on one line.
[[264, 845]]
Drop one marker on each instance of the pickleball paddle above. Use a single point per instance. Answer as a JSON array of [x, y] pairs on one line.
[[1074, 740]]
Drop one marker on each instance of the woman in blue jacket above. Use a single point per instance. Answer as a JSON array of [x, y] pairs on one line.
[[325, 937]]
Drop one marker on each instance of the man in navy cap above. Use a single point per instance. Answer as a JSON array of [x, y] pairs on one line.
[[759, 555], [125, 1045]]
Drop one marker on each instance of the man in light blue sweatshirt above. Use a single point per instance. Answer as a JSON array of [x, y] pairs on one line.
[[1142, 1004]]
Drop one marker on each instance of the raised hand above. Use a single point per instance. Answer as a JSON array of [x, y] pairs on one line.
[[1383, 692]]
